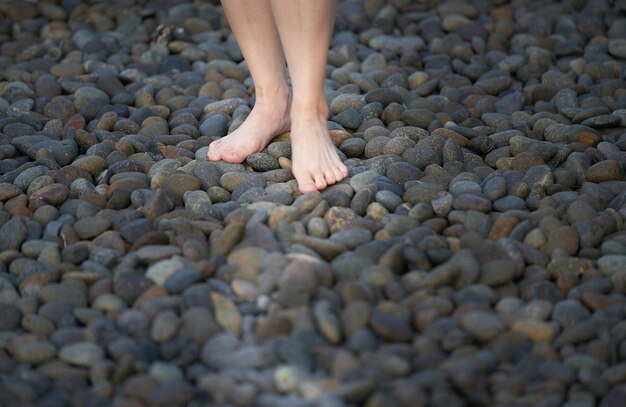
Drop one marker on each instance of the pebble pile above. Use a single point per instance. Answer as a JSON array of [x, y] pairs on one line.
[[475, 256]]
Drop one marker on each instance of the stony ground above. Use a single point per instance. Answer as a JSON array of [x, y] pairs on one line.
[[476, 256]]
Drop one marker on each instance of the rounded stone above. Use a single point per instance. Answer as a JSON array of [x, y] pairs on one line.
[[81, 353], [180, 183]]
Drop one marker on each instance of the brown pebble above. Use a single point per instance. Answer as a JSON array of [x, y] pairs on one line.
[[503, 227], [54, 194]]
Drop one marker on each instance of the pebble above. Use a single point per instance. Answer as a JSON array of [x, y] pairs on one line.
[[536, 331], [12, 234], [612, 264], [81, 353], [226, 313], [11, 316], [165, 326], [483, 326], [608, 170], [160, 271], [391, 322], [262, 162], [35, 352], [476, 244], [327, 322]]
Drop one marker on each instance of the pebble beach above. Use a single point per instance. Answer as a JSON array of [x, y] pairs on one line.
[[475, 255]]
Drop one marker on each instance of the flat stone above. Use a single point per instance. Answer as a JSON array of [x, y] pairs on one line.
[[35, 352], [226, 313], [327, 322], [392, 322], [81, 353], [89, 228], [482, 325], [160, 271], [536, 331], [63, 293], [612, 264], [607, 170], [12, 234]]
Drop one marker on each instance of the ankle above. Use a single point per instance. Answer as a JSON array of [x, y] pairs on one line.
[[309, 110], [270, 95]]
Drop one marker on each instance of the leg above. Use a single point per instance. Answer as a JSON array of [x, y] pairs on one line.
[[305, 28], [255, 31]]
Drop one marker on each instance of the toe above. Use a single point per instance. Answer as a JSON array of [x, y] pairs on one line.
[[213, 155], [307, 187], [320, 182], [344, 170], [330, 178], [305, 183], [232, 157], [338, 174]]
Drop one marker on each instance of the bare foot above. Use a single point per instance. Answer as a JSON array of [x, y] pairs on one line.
[[315, 161], [268, 119]]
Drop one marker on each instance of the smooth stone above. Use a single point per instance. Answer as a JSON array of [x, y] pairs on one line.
[[10, 316], [226, 313], [612, 264], [617, 47], [262, 162], [569, 313], [327, 322], [536, 331], [81, 353], [180, 183], [85, 95], [482, 325], [470, 201], [607, 170], [182, 279], [63, 293], [392, 322], [35, 352], [288, 378], [164, 326], [162, 270], [12, 234], [89, 228]]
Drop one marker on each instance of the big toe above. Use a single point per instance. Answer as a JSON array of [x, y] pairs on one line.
[[306, 183], [307, 187]]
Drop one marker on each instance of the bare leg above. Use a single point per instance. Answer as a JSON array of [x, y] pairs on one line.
[[255, 31], [305, 28]]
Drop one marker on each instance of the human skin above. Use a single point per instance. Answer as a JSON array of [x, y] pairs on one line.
[[271, 33]]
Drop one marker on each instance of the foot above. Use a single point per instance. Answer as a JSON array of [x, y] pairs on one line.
[[269, 118], [315, 161]]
